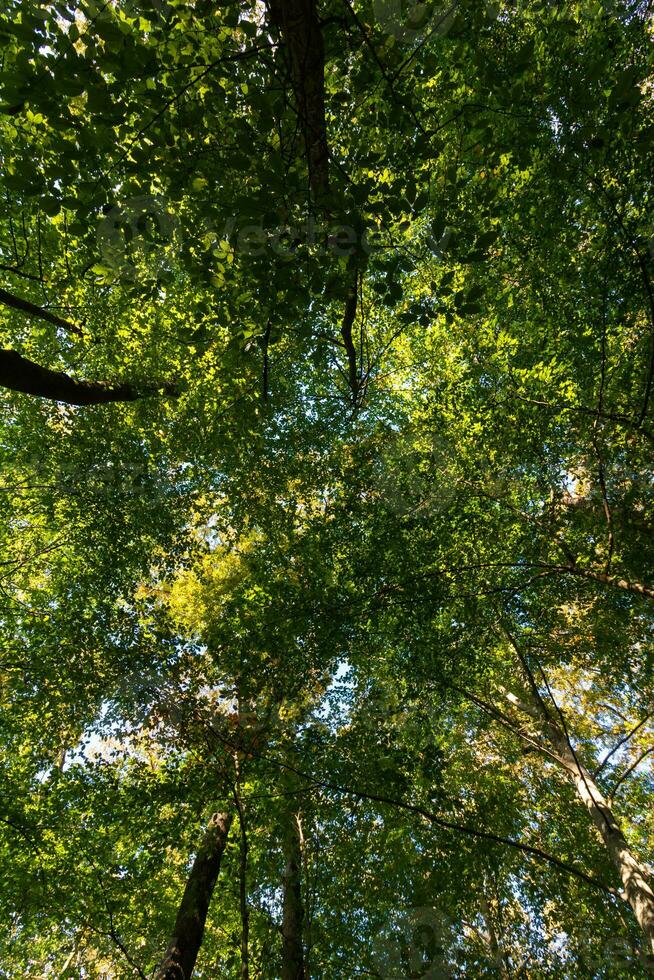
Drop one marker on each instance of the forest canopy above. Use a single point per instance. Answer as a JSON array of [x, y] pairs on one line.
[[326, 441]]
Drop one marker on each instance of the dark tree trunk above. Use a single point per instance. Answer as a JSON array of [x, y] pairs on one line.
[[293, 915], [299, 25], [20, 374], [189, 926], [243, 893]]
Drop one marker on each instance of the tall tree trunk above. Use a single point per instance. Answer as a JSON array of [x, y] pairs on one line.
[[299, 26], [634, 876], [293, 914], [637, 890], [188, 931], [20, 374], [243, 890]]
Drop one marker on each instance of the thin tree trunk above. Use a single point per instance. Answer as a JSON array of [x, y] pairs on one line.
[[243, 891], [498, 956], [20, 374], [634, 876], [293, 914], [637, 890], [349, 316], [188, 931]]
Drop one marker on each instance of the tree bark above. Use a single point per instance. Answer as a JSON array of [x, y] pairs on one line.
[[20, 374], [634, 876], [637, 890], [300, 29], [347, 324], [243, 891], [293, 914], [299, 26], [615, 580], [188, 931]]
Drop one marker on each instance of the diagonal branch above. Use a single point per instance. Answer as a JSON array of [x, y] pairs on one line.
[[20, 374], [628, 772], [625, 738], [25, 306]]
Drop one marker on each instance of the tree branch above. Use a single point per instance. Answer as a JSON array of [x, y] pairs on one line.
[[629, 771], [347, 324], [25, 306], [20, 374], [625, 738]]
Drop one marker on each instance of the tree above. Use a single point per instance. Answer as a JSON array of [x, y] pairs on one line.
[[326, 595], [188, 930]]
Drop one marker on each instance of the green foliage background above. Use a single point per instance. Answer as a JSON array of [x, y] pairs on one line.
[[264, 568]]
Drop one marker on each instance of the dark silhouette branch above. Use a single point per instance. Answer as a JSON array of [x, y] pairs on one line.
[[628, 772], [347, 324], [266, 362], [623, 740], [25, 306], [20, 374]]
